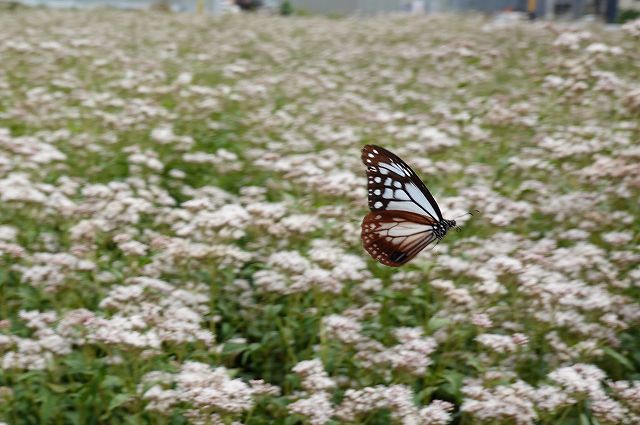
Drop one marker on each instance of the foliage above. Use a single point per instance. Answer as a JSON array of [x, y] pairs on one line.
[[181, 214], [286, 8], [627, 15]]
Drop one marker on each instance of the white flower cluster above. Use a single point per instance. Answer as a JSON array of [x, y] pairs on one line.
[[411, 354], [211, 394], [184, 195], [317, 407]]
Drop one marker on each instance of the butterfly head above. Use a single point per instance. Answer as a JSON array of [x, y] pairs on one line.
[[448, 224]]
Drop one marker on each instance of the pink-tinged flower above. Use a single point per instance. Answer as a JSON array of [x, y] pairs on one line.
[[204, 389], [317, 409], [314, 378]]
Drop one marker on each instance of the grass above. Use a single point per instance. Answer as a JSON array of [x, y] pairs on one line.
[[83, 341]]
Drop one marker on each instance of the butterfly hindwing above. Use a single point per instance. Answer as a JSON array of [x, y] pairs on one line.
[[393, 185], [395, 237]]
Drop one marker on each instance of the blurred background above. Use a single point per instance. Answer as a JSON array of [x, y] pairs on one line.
[[609, 10], [182, 192]]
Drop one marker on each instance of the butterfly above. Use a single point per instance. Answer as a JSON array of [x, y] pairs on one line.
[[404, 217]]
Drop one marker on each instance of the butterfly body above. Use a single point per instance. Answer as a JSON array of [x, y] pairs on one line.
[[440, 229], [404, 217]]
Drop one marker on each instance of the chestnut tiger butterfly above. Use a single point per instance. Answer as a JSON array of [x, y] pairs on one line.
[[404, 217]]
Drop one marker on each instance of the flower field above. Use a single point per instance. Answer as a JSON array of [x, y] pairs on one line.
[[181, 199]]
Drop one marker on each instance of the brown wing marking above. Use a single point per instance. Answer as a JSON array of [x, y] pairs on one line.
[[395, 237], [393, 185]]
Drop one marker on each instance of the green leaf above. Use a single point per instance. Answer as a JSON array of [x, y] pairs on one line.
[[453, 384], [112, 381], [33, 374], [49, 405], [475, 362], [272, 310], [618, 357], [436, 323], [76, 364], [132, 420], [424, 395], [584, 420], [57, 388], [233, 348], [119, 400]]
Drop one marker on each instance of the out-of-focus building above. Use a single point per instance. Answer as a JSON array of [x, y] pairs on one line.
[[384, 6], [569, 8], [630, 4], [573, 9], [209, 6]]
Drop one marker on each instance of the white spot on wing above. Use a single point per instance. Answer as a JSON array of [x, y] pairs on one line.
[[419, 197], [377, 204], [392, 167], [408, 230], [405, 206], [377, 179], [388, 194], [401, 194]]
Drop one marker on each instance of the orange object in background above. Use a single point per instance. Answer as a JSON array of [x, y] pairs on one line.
[[531, 6]]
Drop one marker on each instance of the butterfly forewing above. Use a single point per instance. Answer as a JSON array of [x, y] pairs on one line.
[[393, 185], [395, 237]]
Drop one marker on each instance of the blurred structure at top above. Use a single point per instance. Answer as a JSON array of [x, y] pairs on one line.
[[548, 9], [249, 4], [207, 6]]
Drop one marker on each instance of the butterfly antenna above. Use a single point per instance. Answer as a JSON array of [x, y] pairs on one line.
[[468, 213]]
